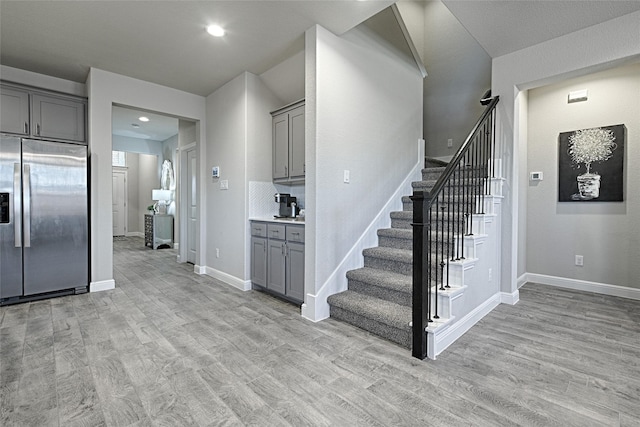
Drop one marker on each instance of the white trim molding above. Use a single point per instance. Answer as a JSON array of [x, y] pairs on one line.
[[243, 285], [439, 340], [102, 285], [584, 285]]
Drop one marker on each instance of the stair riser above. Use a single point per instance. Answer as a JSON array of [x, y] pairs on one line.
[[457, 190], [407, 244], [399, 267], [399, 336]]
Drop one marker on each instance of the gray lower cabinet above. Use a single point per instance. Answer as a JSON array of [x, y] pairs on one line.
[[259, 260], [295, 271], [277, 259]]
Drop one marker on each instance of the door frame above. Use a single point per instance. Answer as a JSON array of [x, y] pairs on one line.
[[123, 171], [183, 217]]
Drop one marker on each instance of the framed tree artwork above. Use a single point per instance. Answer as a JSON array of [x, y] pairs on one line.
[[591, 165]]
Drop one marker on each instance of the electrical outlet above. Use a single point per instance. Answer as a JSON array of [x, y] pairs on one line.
[[346, 176], [217, 253], [224, 184], [449, 142], [579, 260], [490, 275]]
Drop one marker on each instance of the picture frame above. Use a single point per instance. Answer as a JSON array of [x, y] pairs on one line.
[[591, 164]]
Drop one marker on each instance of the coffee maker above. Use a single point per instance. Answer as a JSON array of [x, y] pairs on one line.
[[288, 205]]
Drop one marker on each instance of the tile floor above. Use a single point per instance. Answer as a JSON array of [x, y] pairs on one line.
[[170, 348]]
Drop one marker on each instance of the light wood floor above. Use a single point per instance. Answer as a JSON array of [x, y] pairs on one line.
[[168, 347]]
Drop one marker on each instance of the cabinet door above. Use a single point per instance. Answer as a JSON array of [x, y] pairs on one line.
[[281, 146], [296, 143], [259, 261], [276, 266], [58, 118], [295, 271], [14, 111]]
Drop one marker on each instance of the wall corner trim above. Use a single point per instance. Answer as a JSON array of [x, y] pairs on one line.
[[102, 285]]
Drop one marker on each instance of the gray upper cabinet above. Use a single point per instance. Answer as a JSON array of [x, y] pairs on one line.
[[289, 143], [58, 118], [14, 111], [39, 114]]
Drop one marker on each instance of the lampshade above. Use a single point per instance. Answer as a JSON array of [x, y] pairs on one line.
[[162, 195]]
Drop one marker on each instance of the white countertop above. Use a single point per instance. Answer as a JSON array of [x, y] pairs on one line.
[[290, 221]]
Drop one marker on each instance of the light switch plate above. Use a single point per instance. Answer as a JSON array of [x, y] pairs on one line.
[[346, 176], [224, 184]]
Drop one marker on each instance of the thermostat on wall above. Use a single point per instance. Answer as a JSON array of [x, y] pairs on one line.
[[215, 172], [535, 176]]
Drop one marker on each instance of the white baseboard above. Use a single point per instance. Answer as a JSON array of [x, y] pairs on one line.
[[509, 298], [243, 285], [313, 311], [521, 280], [441, 339], [198, 269], [134, 234], [584, 285], [102, 285]]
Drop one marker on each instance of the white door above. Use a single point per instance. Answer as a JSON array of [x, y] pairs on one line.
[[119, 203], [192, 206]]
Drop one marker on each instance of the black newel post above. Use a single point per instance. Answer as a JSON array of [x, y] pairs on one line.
[[419, 316]]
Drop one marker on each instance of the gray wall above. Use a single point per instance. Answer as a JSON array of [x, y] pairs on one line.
[[459, 72], [605, 233]]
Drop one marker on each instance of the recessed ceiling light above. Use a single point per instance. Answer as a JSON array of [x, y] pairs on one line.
[[215, 30], [143, 119]]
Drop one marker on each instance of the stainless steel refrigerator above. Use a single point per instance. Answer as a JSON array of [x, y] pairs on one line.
[[44, 223]]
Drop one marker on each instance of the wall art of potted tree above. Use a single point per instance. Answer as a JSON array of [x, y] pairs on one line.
[[588, 146], [591, 164]]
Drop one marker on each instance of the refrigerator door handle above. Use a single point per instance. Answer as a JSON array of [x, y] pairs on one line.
[[27, 206], [17, 217]]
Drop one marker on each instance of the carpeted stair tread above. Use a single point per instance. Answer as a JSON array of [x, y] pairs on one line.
[[382, 278], [376, 309]]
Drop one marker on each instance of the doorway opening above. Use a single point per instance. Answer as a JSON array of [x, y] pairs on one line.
[[147, 148]]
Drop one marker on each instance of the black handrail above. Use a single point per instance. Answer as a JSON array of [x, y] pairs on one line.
[[464, 148], [443, 216]]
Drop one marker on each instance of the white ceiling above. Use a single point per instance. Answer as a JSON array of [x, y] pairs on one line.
[[165, 42], [158, 128], [503, 27]]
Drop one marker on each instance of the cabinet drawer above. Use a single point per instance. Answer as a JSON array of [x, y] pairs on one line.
[[276, 231], [259, 229], [295, 234]]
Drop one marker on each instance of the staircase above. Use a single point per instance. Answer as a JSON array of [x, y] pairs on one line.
[[454, 230], [379, 295]]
